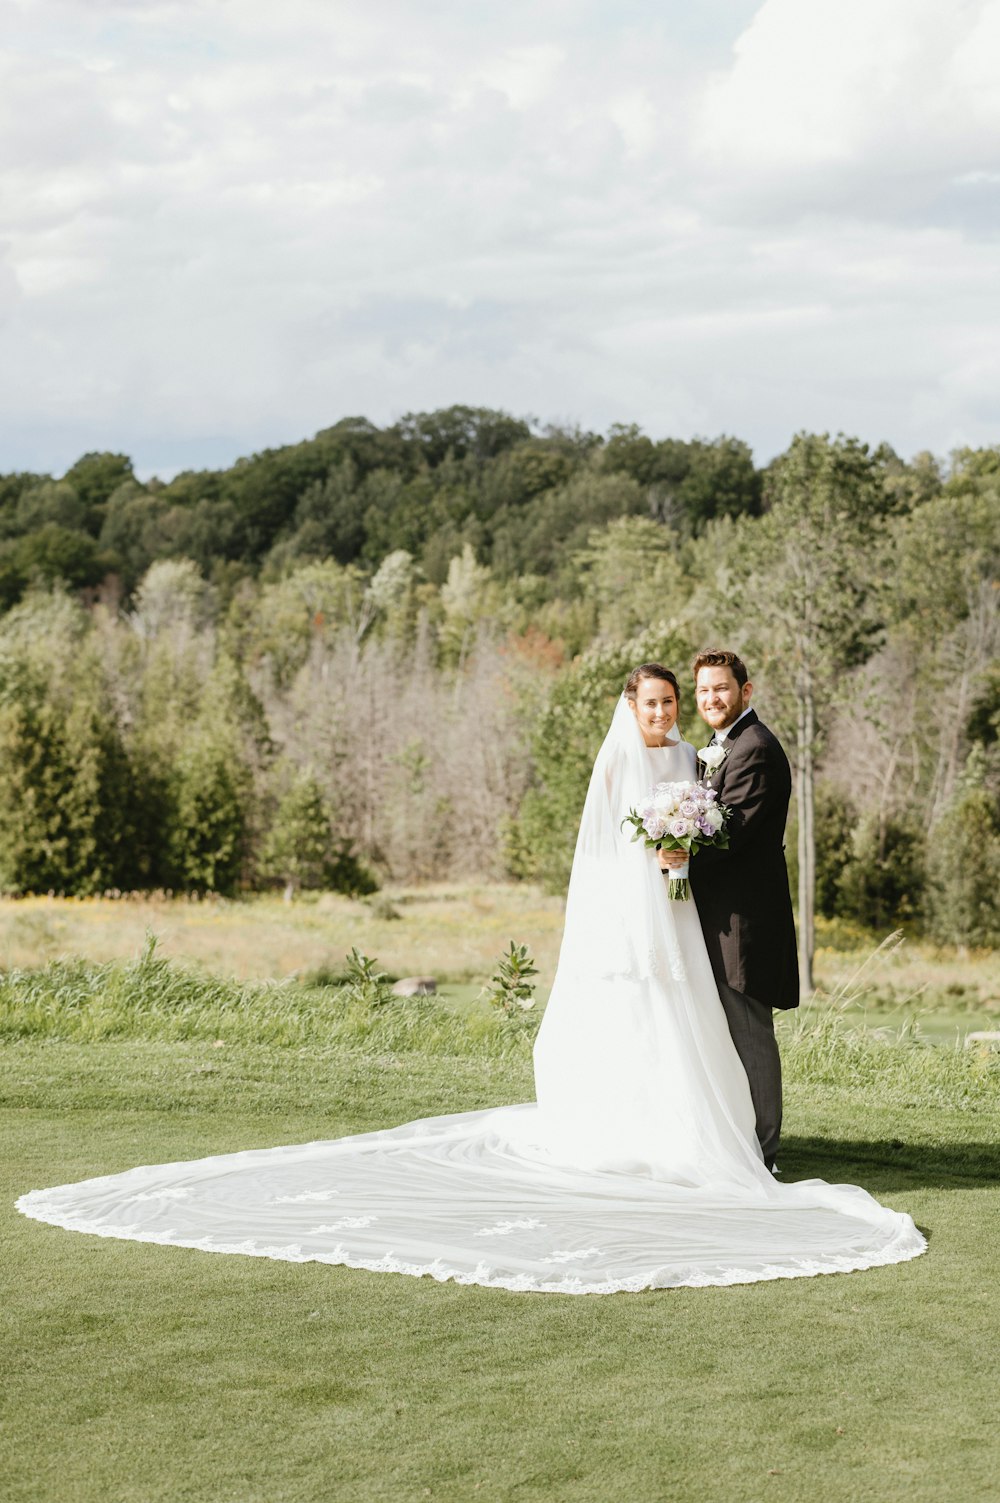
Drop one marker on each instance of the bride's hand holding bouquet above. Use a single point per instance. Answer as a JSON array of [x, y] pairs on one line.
[[680, 817]]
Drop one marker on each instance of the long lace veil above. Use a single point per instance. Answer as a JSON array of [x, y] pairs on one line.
[[614, 905]]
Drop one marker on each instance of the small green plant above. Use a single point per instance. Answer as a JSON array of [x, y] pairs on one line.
[[509, 989], [366, 984]]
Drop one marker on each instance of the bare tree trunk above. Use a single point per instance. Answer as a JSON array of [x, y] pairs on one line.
[[805, 797]]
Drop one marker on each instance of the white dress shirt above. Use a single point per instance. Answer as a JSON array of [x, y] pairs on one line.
[[721, 736]]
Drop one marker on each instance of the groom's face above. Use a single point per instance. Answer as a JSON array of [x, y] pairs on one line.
[[720, 699]]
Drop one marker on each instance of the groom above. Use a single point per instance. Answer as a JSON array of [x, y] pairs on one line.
[[742, 891]]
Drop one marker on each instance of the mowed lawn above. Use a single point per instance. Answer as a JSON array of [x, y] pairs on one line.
[[143, 1373]]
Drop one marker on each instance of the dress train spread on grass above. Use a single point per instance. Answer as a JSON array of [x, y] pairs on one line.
[[636, 1168]]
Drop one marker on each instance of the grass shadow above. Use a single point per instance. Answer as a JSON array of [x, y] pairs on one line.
[[884, 1165]]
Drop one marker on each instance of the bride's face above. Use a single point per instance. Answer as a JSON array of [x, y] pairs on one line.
[[655, 708]]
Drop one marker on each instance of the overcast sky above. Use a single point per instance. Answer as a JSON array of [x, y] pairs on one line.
[[225, 224]]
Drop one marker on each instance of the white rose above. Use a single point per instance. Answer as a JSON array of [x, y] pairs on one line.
[[712, 756]]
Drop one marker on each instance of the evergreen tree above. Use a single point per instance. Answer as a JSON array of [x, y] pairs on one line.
[[300, 849], [66, 790], [213, 781], [963, 889], [209, 824]]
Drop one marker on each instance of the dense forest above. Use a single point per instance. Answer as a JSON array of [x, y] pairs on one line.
[[389, 654]]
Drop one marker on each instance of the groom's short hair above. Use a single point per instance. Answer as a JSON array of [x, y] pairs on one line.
[[718, 659]]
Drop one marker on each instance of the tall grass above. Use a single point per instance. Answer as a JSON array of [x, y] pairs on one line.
[[822, 1048], [151, 999]]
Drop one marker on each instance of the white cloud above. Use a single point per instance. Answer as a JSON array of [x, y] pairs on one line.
[[843, 93], [224, 226]]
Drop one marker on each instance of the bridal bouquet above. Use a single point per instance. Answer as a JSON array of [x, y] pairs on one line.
[[680, 817]]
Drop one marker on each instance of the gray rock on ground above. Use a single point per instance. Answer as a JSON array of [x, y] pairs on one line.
[[415, 986]]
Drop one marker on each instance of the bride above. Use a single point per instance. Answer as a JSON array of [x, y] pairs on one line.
[[636, 1168]]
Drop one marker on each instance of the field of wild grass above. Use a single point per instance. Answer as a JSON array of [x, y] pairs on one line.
[[455, 933]]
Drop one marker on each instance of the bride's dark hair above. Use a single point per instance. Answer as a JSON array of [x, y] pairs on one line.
[[649, 670]]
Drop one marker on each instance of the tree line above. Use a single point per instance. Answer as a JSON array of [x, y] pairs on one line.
[[390, 653], [431, 484]]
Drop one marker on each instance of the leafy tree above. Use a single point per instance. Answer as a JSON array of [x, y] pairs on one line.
[[944, 550], [944, 603], [213, 785], [392, 594], [135, 532], [193, 486], [630, 573], [172, 596], [12, 488], [446, 542], [834, 823], [96, 475], [983, 724], [908, 485], [51, 501], [881, 884], [289, 614], [396, 513], [688, 484], [719, 481], [54, 552], [264, 492], [631, 451], [366, 446], [520, 474], [208, 532], [478, 431], [468, 598], [12, 580], [974, 471], [329, 519], [808, 610], [539, 538]]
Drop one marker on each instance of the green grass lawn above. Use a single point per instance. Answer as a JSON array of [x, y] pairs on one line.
[[143, 1373]]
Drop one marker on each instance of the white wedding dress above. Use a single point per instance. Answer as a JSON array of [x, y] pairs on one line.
[[636, 1168]]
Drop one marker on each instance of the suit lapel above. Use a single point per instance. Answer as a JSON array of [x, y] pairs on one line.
[[750, 718], [718, 776]]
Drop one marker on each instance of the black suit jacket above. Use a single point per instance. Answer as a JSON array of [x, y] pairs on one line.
[[742, 892]]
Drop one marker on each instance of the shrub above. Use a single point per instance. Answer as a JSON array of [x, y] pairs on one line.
[[882, 881], [963, 888]]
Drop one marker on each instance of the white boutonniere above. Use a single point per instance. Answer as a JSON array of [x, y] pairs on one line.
[[712, 757]]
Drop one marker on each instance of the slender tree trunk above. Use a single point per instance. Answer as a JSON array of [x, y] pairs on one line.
[[805, 797]]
